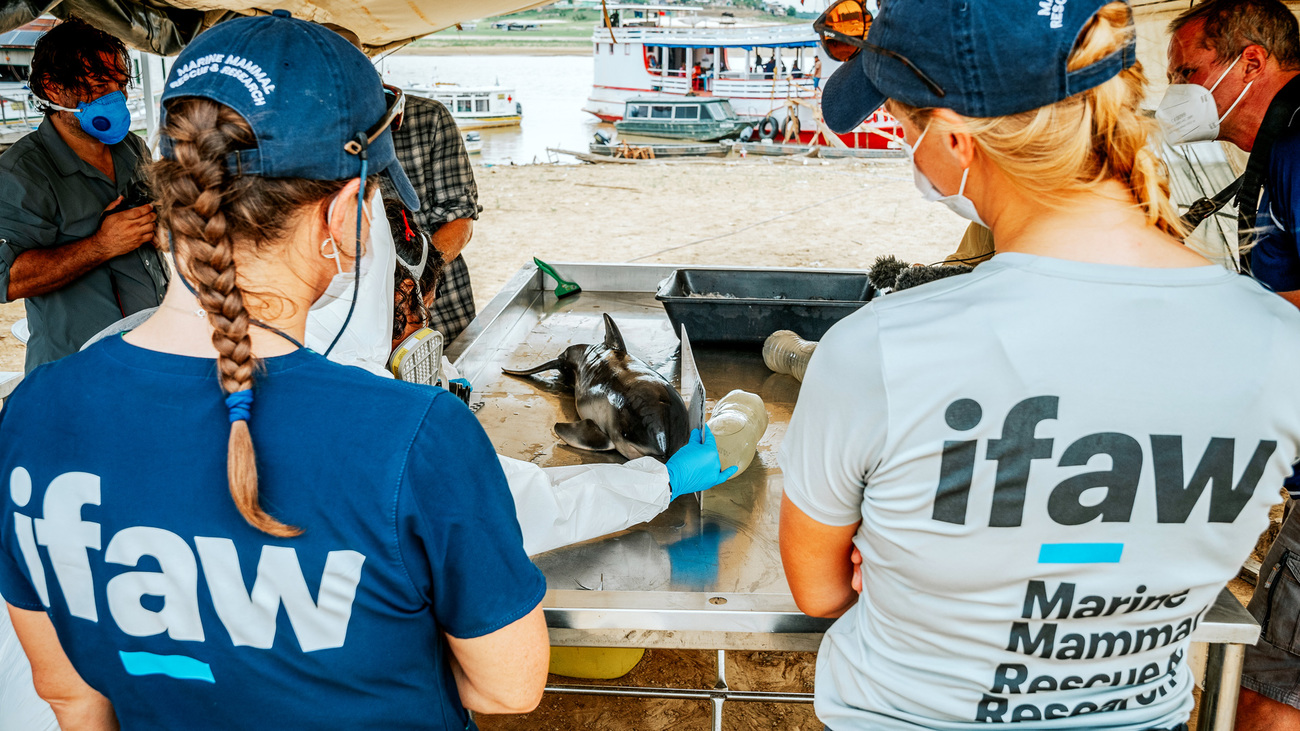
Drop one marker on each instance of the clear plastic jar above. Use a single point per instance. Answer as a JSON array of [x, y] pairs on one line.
[[785, 352], [738, 423]]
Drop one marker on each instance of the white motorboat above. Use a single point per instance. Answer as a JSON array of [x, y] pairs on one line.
[[474, 107]]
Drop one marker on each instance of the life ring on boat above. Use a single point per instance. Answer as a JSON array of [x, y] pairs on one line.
[[768, 128]]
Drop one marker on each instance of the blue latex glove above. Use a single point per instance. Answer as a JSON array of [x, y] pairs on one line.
[[696, 467]]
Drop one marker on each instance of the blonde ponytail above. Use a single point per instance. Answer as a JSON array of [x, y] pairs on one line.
[[1079, 142]]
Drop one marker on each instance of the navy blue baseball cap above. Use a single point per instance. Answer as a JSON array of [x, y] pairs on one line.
[[991, 58], [304, 90]]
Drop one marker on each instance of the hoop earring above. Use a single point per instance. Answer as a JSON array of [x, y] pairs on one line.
[[338, 263]]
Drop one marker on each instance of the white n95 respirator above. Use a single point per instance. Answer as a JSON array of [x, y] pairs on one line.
[[1188, 112]]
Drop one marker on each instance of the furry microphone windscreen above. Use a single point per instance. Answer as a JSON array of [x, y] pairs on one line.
[[916, 276], [885, 270]]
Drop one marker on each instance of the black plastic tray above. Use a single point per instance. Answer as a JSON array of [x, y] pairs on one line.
[[743, 307]]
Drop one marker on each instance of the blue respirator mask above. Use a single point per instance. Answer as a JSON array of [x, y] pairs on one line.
[[106, 119]]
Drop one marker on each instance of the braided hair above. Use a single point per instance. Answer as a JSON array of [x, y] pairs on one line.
[[213, 216]]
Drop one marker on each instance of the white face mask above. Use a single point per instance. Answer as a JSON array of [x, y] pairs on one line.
[[1188, 113], [417, 270], [957, 203], [340, 286]]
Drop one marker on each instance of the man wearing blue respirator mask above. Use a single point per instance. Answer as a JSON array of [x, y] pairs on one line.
[[76, 227]]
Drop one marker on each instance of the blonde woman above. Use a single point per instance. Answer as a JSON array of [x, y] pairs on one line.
[[204, 525], [1050, 466]]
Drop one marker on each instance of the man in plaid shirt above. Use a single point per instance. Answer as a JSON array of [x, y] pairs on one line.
[[432, 152]]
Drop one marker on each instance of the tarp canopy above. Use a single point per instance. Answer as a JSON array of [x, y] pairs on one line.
[[165, 26]]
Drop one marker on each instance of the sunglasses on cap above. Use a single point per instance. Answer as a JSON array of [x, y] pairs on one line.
[[391, 117], [843, 33]]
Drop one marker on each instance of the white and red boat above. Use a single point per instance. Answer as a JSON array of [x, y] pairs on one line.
[[764, 69]]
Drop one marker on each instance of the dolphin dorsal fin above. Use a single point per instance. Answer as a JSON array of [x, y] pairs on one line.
[[613, 338]]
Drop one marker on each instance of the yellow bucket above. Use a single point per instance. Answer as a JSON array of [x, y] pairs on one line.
[[595, 663]]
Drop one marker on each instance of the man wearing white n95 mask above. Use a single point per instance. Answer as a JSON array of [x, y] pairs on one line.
[[1232, 71]]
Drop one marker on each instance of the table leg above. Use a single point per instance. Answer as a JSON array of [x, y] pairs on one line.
[[1222, 685], [721, 685]]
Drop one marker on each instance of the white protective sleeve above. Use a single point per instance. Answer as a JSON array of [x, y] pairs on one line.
[[369, 337], [558, 506]]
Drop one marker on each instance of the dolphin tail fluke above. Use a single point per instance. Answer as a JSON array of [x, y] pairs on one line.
[[550, 365], [613, 338], [584, 435]]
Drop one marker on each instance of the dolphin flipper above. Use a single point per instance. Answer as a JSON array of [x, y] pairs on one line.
[[549, 365], [584, 435]]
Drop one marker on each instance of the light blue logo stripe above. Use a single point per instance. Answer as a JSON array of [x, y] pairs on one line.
[[1080, 552], [175, 666]]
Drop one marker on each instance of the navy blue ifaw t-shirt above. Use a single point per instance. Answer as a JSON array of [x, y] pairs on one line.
[[116, 518]]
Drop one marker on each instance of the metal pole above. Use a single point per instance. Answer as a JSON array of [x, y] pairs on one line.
[[622, 691], [1218, 710], [150, 109], [721, 687]]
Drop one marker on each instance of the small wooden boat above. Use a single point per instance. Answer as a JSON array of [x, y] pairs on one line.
[[660, 149], [686, 118], [828, 152]]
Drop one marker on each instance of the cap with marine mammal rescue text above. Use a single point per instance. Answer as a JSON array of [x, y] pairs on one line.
[[304, 90], [991, 58]]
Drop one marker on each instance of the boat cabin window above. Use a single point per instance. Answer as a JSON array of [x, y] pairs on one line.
[[661, 112], [638, 111], [481, 104], [463, 105], [716, 111], [686, 112]]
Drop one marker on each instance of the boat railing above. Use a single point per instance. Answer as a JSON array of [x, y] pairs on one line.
[[749, 85], [777, 88], [762, 36], [673, 85]]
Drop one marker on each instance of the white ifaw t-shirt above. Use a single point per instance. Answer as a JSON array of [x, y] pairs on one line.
[[1057, 466]]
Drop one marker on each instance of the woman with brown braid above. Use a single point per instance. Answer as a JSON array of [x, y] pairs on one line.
[[205, 525]]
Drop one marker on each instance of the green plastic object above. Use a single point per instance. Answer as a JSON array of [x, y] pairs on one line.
[[564, 287]]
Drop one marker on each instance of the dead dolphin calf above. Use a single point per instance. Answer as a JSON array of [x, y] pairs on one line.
[[623, 403]]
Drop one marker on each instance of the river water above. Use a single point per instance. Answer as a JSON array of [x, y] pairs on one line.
[[552, 90]]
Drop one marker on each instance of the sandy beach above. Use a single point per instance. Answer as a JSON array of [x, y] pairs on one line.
[[832, 214]]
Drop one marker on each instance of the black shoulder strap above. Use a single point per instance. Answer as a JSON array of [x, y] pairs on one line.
[[1206, 207], [1280, 116]]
